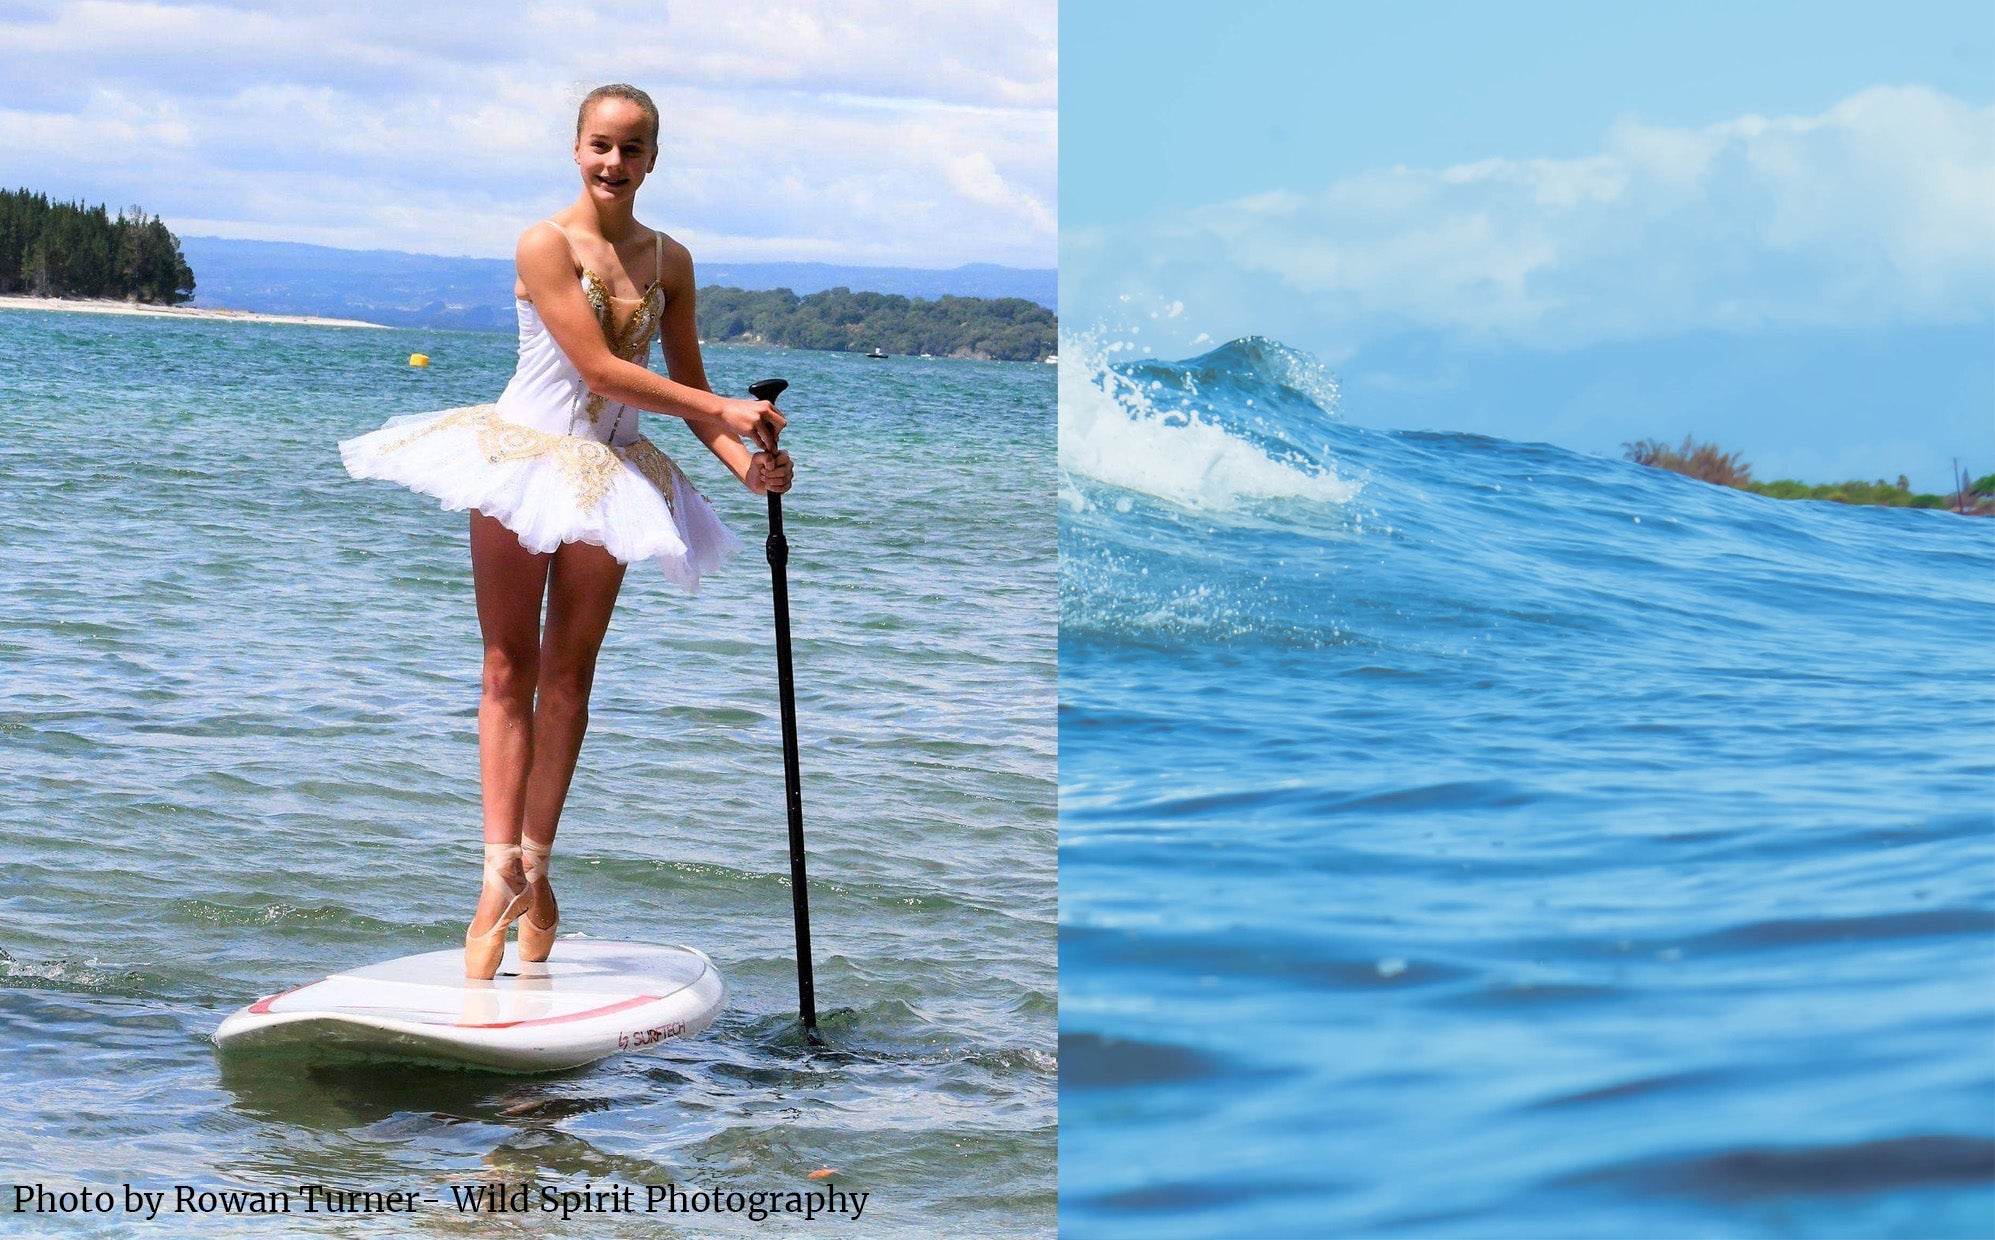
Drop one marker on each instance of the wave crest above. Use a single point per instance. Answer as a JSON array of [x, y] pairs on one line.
[[1239, 424]]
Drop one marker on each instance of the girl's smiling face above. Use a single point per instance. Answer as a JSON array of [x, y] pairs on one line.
[[615, 150]]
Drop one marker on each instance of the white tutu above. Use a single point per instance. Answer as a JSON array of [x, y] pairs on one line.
[[555, 462], [550, 488]]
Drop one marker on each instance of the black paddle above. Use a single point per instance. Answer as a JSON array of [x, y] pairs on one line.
[[778, 548]]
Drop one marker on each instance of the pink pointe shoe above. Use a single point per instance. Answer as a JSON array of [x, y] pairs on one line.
[[483, 952], [536, 940]]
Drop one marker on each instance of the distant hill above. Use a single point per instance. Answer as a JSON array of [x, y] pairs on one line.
[[476, 294], [1034, 284], [1005, 329]]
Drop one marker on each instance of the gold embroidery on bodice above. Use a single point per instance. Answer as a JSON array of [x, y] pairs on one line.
[[629, 340]]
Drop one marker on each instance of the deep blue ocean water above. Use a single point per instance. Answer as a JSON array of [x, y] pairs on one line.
[[237, 752], [1471, 838]]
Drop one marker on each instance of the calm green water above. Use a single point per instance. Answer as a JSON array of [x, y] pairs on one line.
[[237, 751]]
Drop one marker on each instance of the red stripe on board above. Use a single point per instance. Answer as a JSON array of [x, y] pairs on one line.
[[262, 1006], [605, 1010]]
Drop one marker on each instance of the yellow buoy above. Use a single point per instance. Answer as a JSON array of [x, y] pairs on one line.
[[418, 359]]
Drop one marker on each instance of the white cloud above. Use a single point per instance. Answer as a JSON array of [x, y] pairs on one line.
[[867, 132], [1880, 210]]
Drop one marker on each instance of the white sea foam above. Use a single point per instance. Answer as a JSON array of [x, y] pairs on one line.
[[1112, 431]]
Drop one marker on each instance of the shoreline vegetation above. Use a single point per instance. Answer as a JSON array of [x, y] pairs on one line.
[[65, 249], [1708, 463], [838, 320], [73, 257]]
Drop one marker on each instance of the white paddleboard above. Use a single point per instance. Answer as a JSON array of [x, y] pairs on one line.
[[592, 1000]]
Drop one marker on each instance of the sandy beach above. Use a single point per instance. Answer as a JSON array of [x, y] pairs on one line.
[[105, 306]]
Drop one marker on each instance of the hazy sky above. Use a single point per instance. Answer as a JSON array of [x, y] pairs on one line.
[[1172, 104], [1875, 212], [1735, 199], [850, 131]]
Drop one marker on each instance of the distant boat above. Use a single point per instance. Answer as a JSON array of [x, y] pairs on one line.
[[1052, 359], [876, 352]]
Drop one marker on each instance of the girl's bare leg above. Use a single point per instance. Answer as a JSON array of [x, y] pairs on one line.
[[582, 591], [509, 581]]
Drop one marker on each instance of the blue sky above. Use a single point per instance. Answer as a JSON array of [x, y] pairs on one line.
[[863, 132], [1475, 212]]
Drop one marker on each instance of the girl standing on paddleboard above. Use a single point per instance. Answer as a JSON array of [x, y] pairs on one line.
[[564, 492]]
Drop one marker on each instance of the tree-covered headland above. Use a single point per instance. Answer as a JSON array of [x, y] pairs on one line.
[[63, 249], [1706, 462], [1003, 329]]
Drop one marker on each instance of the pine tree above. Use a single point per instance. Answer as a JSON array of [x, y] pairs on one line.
[[75, 250]]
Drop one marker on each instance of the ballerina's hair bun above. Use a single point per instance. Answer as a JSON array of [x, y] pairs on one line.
[[618, 90]]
